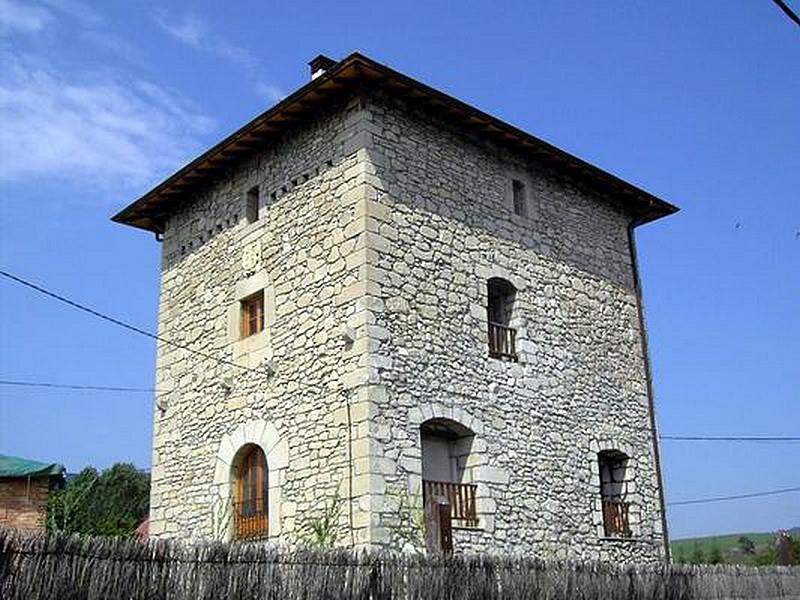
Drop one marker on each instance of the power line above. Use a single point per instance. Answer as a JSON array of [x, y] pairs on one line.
[[69, 386], [108, 388], [789, 12], [730, 438], [737, 497], [122, 324], [118, 322]]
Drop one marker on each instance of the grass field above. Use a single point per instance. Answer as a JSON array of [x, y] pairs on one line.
[[725, 543], [728, 546]]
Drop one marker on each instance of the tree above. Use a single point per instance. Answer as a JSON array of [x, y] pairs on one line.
[[112, 503], [766, 556], [746, 545], [67, 508], [714, 555], [698, 557]]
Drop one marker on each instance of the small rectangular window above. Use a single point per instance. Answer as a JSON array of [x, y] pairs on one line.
[[502, 337], [252, 204], [253, 314], [518, 194], [614, 493]]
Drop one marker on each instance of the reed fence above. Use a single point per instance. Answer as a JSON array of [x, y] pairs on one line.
[[37, 567]]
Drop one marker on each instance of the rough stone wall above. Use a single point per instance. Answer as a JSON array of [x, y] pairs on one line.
[[378, 233], [296, 385], [442, 225], [23, 503]]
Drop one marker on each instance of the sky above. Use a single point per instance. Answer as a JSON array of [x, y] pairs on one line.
[[699, 103]]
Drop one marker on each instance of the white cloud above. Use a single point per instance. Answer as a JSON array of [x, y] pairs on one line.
[[32, 18], [103, 130], [270, 92], [107, 42], [194, 32], [77, 10], [190, 30], [26, 17]]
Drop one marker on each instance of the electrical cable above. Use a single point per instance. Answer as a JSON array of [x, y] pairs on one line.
[[124, 325], [788, 11], [70, 386], [735, 497], [730, 438]]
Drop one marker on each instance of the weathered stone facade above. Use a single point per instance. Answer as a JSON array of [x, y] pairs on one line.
[[580, 383], [378, 231], [308, 251]]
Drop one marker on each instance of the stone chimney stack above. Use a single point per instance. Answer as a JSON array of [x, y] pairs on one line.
[[320, 64]]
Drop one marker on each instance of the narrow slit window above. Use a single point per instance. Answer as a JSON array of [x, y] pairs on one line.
[[253, 314], [252, 204], [519, 197]]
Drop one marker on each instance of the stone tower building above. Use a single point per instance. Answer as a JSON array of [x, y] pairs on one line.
[[380, 303]]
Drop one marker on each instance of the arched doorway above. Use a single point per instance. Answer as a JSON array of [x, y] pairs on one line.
[[448, 493]]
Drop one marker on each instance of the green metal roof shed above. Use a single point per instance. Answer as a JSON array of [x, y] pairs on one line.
[[12, 467]]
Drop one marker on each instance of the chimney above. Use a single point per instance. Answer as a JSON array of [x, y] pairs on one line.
[[319, 65]]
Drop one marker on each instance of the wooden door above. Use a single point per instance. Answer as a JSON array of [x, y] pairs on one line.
[[438, 525]]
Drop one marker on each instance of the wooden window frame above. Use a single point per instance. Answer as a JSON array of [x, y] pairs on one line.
[[615, 507], [252, 310], [251, 506], [501, 298]]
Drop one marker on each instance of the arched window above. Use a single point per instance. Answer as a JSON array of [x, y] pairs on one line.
[[500, 306], [251, 513], [614, 492]]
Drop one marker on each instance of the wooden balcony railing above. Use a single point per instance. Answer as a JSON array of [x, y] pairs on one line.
[[502, 341], [615, 517], [460, 497], [250, 520]]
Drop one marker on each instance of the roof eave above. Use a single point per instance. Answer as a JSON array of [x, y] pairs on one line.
[[143, 212], [128, 215]]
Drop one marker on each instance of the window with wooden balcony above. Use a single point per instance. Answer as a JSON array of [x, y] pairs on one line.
[[251, 498], [448, 494], [253, 314], [614, 493], [502, 336]]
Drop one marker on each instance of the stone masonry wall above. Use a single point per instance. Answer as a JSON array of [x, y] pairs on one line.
[[23, 502], [378, 233], [441, 226], [300, 382]]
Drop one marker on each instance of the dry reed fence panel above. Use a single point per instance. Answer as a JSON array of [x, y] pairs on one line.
[[44, 567]]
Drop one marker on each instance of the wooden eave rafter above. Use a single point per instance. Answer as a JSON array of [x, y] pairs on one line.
[[349, 75]]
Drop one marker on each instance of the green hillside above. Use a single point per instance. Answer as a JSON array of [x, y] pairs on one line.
[[723, 542], [734, 548]]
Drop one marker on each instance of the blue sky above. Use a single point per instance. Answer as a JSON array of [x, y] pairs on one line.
[[696, 102]]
